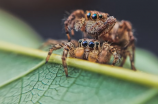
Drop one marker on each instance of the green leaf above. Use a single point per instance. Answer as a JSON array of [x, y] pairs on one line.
[[41, 83], [13, 65], [147, 62], [154, 100], [15, 31]]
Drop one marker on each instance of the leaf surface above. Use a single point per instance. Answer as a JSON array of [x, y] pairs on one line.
[[14, 30]]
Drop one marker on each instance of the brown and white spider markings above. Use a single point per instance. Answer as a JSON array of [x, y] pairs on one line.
[[88, 49], [93, 23], [102, 27], [122, 35]]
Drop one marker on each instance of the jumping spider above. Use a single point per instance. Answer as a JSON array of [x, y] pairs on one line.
[[88, 49], [101, 26]]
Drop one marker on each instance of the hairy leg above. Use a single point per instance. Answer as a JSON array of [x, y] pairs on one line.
[[55, 47], [116, 54], [133, 51], [78, 14], [68, 47], [131, 59], [108, 25], [53, 42], [123, 61], [132, 62]]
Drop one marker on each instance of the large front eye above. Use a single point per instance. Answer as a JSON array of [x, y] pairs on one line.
[[88, 15], [84, 43], [94, 16], [100, 16], [80, 41], [91, 44]]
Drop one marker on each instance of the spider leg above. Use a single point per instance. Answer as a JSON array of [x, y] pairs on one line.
[[64, 56], [72, 27], [55, 47], [107, 26], [53, 41], [133, 51], [123, 61], [132, 62], [49, 42], [67, 48], [116, 58], [131, 59], [69, 23], [116, 55], [132, 44]]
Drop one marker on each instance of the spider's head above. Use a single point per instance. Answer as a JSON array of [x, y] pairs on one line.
[[98, 22], [96, 15]]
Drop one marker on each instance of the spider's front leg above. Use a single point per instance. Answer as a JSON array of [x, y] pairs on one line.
[[106, 27], [69, 23], [53, 42], [68, 48], [54, 47]]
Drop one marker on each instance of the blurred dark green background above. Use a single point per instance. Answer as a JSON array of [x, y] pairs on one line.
[[45, 16]]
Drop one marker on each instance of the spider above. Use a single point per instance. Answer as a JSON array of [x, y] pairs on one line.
[[98, 25], [88, 49], [93, 23], [102, 27]]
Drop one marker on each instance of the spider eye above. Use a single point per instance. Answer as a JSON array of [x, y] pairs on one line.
[[97, 43], [100, 16], [80, 41], [91, 44], [94, 16], [84, 43], [88, 15]]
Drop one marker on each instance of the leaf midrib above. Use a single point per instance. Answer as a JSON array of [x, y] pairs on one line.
[[117, 72]]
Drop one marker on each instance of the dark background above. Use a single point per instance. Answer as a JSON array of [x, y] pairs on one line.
[[45, 16]]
